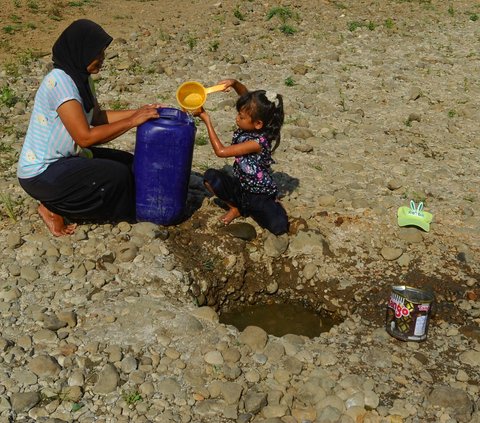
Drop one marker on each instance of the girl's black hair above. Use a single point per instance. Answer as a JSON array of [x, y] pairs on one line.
[[259, 107]]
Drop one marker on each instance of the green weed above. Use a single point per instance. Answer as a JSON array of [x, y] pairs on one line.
[[340, 5], [10, 29], [451, 113], [417, 197], [473, 17], [132, 397], [136, 68], [7, 97], [284, 14], [289, 82], [287, 29], [354, 25], [11, 69], [191, 41], [451, 11], [213, 46], [204, 166], [201, 139], [8, 206], [118, 104], [389, 23], [209, 264], [32, 5], [78, 3], [238, 14], [55, 11]]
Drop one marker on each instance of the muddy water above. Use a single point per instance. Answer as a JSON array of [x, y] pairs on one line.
[[278, 319]]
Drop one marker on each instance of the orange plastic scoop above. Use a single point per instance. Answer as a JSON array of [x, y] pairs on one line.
[[191, 95]]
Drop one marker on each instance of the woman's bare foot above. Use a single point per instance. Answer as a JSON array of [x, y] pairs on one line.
[[55, 222], [232, 214]]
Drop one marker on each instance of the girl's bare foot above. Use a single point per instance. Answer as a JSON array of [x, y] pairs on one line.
[[55, 222], [232, 214]]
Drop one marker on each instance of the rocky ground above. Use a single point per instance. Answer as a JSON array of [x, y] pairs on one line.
[[119, 323]]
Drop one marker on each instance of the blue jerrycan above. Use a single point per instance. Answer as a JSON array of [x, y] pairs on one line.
[[162, 166]]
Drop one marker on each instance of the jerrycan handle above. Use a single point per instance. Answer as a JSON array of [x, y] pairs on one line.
[[173, 114]]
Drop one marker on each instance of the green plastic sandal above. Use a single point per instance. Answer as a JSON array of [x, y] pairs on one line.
[[414, 216]]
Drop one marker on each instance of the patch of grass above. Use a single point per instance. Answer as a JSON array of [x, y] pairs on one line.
[[451, 10], [340, 5], [9, 206], [11, 69], [191, 41], [473, 17], [7, 96], [15, 19], [354, 25], [204, 166], [451, 113], [55, 11], [78, 3], [284, 14], [118, 104], [317, 167], [238, 14], [11, 29], [287, 29], [417, 197], [213, 46], [131, 397], [389, 23], [136, 68], [201, 139], [26, 57], [209, 264], [289, 82], [32, 5]]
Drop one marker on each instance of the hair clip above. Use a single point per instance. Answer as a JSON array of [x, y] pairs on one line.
[[272, 97]]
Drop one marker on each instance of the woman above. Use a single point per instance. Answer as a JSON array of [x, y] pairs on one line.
[[66, 118]]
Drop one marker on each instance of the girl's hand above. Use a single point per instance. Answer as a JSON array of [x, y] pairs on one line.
[[143, 114], [236, 85], [201, 113], [229, 83]]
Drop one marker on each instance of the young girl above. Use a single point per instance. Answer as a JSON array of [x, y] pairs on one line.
[[251, 191]]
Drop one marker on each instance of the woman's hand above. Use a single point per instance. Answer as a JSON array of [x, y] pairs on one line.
[[143, 114], [154, 105]]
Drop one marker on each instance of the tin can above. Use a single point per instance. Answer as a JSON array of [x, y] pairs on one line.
[[408, 313]]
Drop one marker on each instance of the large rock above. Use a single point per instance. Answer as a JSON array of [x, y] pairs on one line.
[[456, 401], [108, 380], [44, 365], [256, 338]]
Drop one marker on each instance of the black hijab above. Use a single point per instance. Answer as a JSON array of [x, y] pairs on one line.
[[80, 43]]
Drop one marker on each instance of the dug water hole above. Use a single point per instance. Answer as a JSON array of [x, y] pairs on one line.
[[279, 319]]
